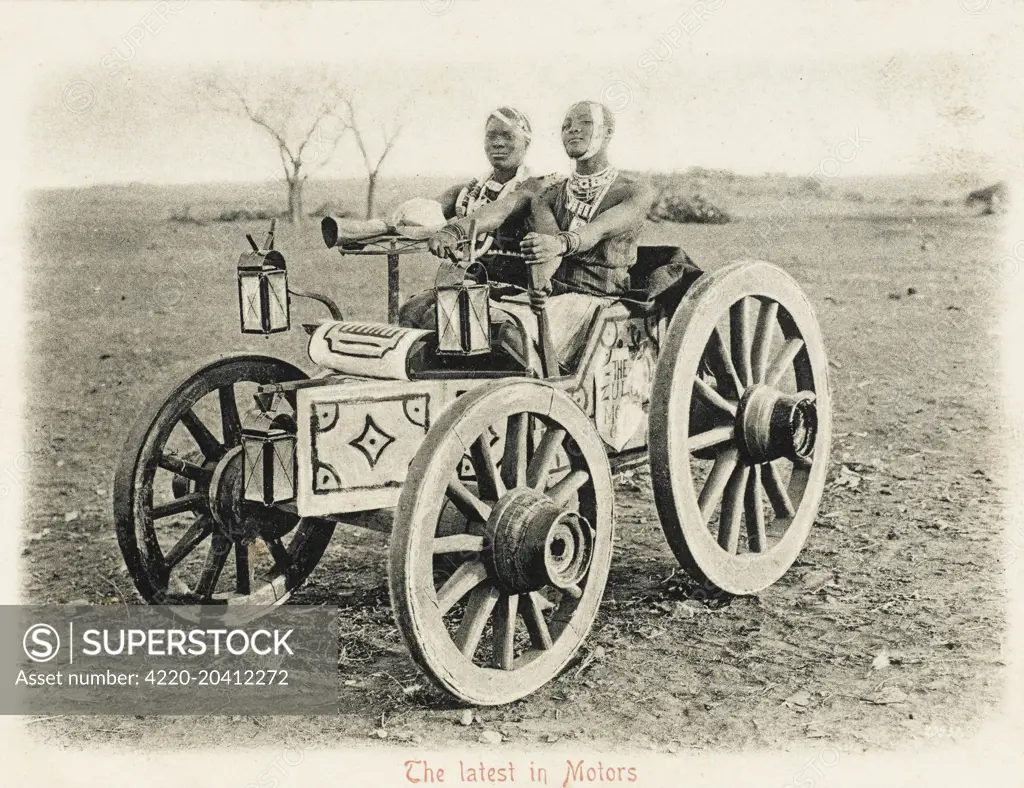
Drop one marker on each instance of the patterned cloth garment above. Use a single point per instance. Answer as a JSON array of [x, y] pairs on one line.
[[604, 269]]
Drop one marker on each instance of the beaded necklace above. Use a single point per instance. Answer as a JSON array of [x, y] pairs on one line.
[[586, 187], [584, 193]]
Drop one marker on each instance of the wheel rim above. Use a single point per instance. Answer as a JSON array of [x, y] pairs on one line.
[[186, 535], [741, 427], [533, 559]]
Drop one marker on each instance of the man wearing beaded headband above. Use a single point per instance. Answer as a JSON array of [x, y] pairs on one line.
[[586, 229], [507, 136]]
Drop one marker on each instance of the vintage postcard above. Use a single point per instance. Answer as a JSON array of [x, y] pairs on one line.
[[448, 392]]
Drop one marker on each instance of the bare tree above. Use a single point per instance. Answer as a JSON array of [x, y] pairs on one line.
[[388, 134], [306, 121]]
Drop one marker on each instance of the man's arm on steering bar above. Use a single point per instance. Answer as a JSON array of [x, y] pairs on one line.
[[542, 214], [488, 218], [546, 244]]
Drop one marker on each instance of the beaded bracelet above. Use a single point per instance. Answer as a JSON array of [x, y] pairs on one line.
[[454, 230], [570, 242]]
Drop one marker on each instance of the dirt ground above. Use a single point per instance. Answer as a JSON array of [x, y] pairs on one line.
[[887, 632]]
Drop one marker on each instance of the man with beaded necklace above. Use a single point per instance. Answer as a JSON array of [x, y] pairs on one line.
[[507, 136], [586, 228]]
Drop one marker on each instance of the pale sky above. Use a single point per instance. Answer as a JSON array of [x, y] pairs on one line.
[[880, 87]]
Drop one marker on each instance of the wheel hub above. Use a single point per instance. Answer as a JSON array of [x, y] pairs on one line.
[[771, 424], [537, 543], [236, 518]]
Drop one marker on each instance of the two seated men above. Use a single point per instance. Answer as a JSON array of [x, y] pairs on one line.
[[578, 234]]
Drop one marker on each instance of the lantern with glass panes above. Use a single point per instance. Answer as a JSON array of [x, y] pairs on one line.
[[462, 306], [263, 288], [268, 445]]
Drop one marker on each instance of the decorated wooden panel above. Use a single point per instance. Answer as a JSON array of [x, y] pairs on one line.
[[623, 369], [356, 440]]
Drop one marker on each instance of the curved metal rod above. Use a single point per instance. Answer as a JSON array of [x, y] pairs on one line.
[[327, 302], [529, 361]]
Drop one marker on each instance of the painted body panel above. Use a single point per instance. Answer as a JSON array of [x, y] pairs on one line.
[[357, 435]]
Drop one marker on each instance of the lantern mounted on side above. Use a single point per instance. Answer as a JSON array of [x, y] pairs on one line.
[[268, 447], [263, 288]]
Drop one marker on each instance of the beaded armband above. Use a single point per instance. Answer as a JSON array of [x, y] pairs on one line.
[[455, 231], [570, 242]]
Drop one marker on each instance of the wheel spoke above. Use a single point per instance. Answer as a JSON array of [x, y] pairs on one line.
[[739, 339], [561, 492], [757, 541], [282, 558], [505, 631], [230, 420], [782, 361], [533, 616], [458, 543], [208, 444], [478, 610], [712, 437], [777, 494], [471, 507], [732, 510], [186, 503], [764, 332], [540, 465], [712, 397], [714, 485], [243, 572], [463, 580], [488, 480], [190, 540], [721, 364], [216, 557], [513, 463], [180, 467]]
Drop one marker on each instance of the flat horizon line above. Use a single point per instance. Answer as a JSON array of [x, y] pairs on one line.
[[362, 179]]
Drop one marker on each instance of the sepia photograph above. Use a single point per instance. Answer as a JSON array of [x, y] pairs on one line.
[[594, 394]]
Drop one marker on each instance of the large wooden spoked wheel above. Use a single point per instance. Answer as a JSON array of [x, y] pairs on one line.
[[186, 535], [740, 427], [529, 569]]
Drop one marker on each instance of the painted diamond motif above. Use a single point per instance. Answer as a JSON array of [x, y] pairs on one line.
[[372, 441]]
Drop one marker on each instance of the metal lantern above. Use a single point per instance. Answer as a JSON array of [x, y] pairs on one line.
[[464, 319], [263, 289], [462, 305], [268, 445]]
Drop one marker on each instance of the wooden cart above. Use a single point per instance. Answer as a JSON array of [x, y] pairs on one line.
[[492, 475]]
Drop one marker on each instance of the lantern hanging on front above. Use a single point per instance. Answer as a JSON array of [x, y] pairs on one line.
[[263, 289], [462, 305]]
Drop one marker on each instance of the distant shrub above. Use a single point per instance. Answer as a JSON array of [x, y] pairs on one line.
[[853, 196], [674, 207], [245, 215], [919, 201], [332, 209], [707, 174], [184, 216], [992, 198], [812, 186]]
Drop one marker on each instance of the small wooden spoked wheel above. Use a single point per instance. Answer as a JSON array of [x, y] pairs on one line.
[[178, 506], [529, 570], [740, 427]]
